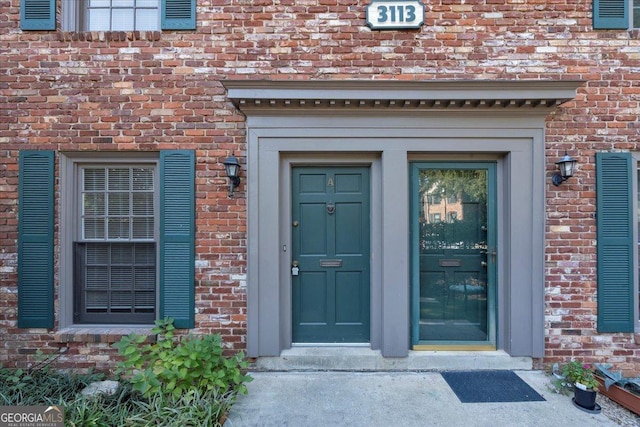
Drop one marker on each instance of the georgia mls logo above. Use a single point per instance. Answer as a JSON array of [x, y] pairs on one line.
[[31, 416]]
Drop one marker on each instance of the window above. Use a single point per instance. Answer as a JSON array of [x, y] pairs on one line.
[[115, 250], [126, 226], [434, 199], [118, 15], [109, 15], [636, 13]]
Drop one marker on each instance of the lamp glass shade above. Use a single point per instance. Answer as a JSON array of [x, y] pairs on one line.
[[231, 165], [566, 165]]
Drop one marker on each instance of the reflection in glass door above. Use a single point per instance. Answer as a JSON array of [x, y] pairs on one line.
[[454, 254]]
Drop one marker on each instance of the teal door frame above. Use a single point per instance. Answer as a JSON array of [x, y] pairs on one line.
[[492, 306], [330, 254]]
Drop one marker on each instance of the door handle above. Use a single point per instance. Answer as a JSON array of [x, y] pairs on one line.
[[295, 270]]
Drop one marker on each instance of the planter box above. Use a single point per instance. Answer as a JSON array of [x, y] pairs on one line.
[[620, 395]]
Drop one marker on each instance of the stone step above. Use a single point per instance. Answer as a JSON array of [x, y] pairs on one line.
[[366, 359]]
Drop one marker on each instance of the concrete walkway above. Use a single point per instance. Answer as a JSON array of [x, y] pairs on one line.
[[390, 399]]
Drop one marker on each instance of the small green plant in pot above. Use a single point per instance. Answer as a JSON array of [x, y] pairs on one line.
[[585, 384]]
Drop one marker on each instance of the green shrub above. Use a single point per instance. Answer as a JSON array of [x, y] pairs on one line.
[[45, 386], [180, 366]]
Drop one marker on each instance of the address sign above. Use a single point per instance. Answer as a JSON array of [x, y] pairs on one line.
[[395, 14]]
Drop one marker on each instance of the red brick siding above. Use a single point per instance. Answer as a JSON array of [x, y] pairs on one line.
[[150, 91]]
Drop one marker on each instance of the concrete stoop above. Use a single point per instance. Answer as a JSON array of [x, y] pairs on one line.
[[365, 359]]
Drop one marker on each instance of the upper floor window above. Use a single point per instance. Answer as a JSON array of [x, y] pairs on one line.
[[120, 15], [109, 15]]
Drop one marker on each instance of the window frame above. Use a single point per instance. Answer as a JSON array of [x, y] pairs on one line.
[[174, 15], [81, 314], [75, 16], [70, 167]]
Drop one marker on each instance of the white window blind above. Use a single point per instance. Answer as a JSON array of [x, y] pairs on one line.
[[117, 204]]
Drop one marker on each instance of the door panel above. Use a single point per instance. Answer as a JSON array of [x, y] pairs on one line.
[[330, 239], [453, 235], [348, 230]]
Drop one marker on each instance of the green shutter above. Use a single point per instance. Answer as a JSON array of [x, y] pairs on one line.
[[35, 239], [614, 192], [177, 236], [38, 14], [178, 14], [611, 14]]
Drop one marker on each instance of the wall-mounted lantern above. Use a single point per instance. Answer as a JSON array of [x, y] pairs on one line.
[[232, 166], [567, 166]]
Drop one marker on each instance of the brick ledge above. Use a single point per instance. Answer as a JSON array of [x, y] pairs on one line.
[[102, 36], [100, 334]]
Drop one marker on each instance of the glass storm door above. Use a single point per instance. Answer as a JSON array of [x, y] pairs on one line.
[[330, 259], [453, 254]]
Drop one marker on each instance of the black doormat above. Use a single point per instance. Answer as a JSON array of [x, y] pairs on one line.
[[490, 386]]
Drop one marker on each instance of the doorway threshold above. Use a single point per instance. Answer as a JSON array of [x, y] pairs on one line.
[[366, 359]]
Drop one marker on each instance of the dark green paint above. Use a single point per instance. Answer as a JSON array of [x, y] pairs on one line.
[[178, 14], [177, 236], [38, 15], [614, 203], [611, 14], [35, 239], [331, 304]]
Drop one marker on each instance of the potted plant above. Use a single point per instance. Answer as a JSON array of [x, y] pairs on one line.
[[617, 387], [585, 384]]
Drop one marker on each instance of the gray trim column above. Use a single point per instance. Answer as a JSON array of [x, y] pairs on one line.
[[396, 312]]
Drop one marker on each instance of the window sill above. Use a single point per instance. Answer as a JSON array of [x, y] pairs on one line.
[[102, 36], [100, 334]]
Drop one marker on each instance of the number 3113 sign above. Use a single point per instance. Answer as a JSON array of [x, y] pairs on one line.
[[395, 14]]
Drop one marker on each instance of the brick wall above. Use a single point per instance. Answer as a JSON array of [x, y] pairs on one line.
[[152, 90]]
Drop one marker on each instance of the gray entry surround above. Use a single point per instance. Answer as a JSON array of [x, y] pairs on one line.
[[385, 125]]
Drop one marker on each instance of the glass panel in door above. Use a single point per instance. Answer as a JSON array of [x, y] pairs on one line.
[[455, 245]]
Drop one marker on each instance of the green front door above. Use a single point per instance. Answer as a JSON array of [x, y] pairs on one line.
[[330, 256], [454, 254]]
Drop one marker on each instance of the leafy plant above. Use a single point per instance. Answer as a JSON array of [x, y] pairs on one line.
[[180, 366], [40, 386], [196, 409], [579, 373]]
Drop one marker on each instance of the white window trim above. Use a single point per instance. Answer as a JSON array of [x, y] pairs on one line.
[[69, 168]]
